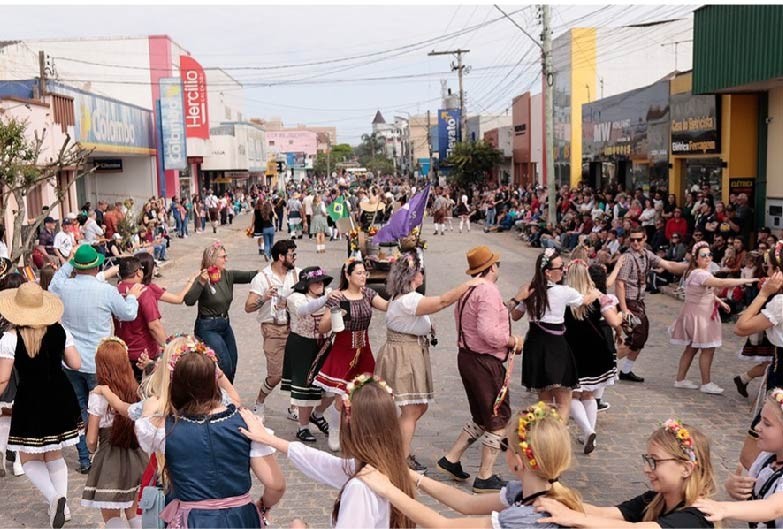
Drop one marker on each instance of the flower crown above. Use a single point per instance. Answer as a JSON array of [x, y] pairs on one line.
[[777, 396], [113, 339], [683, 436], [698, 246], [314, 274], [548, 254], [527, 418], [356, 384], [191, 345], [575, 262], [778, 249]]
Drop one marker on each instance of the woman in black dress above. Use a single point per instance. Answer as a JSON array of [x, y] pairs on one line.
[[46, 415]]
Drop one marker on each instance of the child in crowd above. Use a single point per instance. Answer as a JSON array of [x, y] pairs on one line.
[[539, 453]]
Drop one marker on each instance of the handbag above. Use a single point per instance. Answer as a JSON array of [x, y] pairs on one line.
[[152, 502]]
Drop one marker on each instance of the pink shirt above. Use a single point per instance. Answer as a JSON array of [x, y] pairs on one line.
[[485, 324]]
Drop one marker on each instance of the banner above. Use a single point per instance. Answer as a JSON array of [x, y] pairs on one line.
[[194, 83], [172, 124], [404, 219], [695, 124], [448, 132]]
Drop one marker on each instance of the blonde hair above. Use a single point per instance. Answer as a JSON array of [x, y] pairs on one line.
[[701, 482], [209, 257], [578, 278], [550, 442], [32, 336], [157, 384]]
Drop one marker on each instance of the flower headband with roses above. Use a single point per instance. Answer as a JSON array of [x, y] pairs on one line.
[[777, 396], [683, 436], [191, 345], [114, 339], [549, 253], [698, 246], [356, 384], [527, 418]]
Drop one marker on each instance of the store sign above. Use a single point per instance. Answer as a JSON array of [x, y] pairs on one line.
[[695, 124], [194, 83], [108, 165], [107, 125], [172, 124], [448, 132], [742, 185]]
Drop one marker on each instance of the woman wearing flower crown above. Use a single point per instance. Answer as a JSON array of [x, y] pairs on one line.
[[679, 468], [539, 453], [207, 465], [119, 463], [369, 435], [548, 365], [762, 485], [350, 354], [698, 327]]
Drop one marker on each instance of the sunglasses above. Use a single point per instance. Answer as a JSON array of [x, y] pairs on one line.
[[637, 239], [554, 268], [702, 255]]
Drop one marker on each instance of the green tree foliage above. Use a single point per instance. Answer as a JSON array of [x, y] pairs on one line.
[[371, 153], [324, 162], [472, 162], [22, 169]]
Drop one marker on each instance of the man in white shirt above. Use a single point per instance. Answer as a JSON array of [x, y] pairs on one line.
[[307, 204], [92, 232], [64, 241], [211, 203], [268, 294]]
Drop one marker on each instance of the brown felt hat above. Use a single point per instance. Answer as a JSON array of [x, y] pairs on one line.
[[480, 258]]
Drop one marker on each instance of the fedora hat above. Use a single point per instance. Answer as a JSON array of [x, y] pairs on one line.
[[310, 275], [86, 258], [480, 258], [30, 305]]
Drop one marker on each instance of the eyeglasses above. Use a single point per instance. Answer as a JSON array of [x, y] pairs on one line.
[[703, 255], [651, 462], [555, 268]]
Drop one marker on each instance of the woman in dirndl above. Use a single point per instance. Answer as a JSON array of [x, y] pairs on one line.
[[306, 307], [319, 226], [46, 416], [589, 333], [350, 354], [404, 360], [8, 280], [548, 365], [698, 327]]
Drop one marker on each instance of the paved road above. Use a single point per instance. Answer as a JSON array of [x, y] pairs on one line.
[[612, 473]]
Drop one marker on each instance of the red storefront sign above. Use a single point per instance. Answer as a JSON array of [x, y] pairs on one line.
[[194, 84]]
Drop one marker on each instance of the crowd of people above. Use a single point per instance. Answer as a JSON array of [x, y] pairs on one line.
[[162, 433]]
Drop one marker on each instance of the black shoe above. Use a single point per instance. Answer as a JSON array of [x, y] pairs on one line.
[[305, 436], [491, 484], [630, 377], [10, 456], [590, 444], [654, 291], [320, 423], [85, 469], [602, 405], [415, 465], [453, 469], [742, 388]]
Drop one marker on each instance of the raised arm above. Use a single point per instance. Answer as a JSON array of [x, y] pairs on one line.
[[433, 304], [751, 321]]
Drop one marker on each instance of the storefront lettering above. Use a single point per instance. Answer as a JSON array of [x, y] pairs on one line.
[[451, 130], [194, 115], [693, 146], [701, 123], [602, 132], [112, 130]]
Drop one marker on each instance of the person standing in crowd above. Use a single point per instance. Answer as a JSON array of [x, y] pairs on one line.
[[485, 342], [404, 360], [463, 212], [212, 205], [46, 416], [177, 214], [279, 206], [8, 280], [698, 327], [296, 216], [307, 206], [257, 228], [213, 291], [439, 207], [89, 306], [207, 459], [319, 226], [630, 288], [269, 290]]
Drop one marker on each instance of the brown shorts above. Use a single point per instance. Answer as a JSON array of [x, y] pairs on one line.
[[638, 337], [214, 214], [483, 376], [275, 337]]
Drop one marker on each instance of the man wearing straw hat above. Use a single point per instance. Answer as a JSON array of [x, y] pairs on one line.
[[89, 306], [485, 342]]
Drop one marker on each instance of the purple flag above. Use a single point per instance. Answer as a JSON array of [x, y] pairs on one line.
[[404, 219]]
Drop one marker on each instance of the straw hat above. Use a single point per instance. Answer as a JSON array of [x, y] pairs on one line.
[[480, 258], [30, 305]]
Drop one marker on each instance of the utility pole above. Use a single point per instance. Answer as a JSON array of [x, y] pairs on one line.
[[41, 75], [459, 67], [429, 146], [549, 111]]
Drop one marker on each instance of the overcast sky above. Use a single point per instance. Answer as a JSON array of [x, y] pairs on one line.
[[504, 61]]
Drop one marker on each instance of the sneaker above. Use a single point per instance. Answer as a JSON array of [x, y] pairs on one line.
[[334, 439], [85, 468], [491, 484], [319, 423], [414, 465], [685, 384], [57, 513], [712, 388], [590, 444], [292, 414], [603, 405], [453, 469], [305, 436], [630, 376], [742, 388], [258, 410]]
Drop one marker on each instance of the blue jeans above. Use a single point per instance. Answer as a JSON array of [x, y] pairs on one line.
[[269, 240], [82, 384], [178, 224], [218, 334], [490, 220], [159, 251]]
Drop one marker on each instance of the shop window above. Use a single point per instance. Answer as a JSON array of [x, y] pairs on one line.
[[704, 175]]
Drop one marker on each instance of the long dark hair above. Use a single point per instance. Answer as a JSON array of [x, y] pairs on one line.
[[347, 270], [147, 266], [537, 302], [598, 275]]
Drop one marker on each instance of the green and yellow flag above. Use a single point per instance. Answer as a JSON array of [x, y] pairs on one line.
[[338, 209]]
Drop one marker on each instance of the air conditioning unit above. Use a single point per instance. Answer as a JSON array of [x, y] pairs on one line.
[[774, 210]]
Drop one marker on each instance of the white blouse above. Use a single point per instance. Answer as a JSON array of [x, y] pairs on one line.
[[305, 313], [560, 297], [774, 313], [359, 506], [9, 340], [98, 406], [401, 315]]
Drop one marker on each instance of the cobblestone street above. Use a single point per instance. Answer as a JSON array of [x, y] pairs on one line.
[[611, 474]]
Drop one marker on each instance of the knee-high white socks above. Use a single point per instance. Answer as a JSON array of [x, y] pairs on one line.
[[578, 413], [58, 474], [5, 430], [591, 409], [135, 522], [38, 474], [117, 523]]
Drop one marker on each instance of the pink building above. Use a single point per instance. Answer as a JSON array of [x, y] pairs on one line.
[[284, 141]]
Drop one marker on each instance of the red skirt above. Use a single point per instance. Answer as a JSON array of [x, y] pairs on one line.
[[349, 357]]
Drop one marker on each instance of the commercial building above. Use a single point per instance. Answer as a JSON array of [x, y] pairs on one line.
[[501, 138], [736, 51], [528, 138], [297, 147], [477, 125]]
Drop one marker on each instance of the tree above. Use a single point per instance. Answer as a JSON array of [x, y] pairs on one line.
[[471, 162], [21, 172], [324, 162], [371, 147]]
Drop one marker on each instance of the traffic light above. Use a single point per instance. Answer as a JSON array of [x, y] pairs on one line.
[[279, 167]]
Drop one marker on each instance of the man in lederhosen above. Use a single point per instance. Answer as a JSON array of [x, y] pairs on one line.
[[629, 288], [485, 343]]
